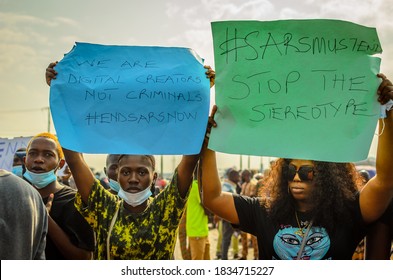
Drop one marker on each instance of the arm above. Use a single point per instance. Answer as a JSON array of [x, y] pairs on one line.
[[218, 202], [188, 163], [378, 242], [377, 193], [63, 243], [61, 239], [83, 177], [185, 172]]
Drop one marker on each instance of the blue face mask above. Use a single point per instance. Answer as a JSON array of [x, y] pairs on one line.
[[40, 180], [114, 185], [17, 170]]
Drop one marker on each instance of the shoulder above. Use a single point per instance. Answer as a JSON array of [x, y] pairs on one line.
[[4, 173], [65, 192], [16, 193], [243, 201], [12, 184]]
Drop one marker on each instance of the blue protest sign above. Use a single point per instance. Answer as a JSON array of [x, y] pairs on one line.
[[130, 99]]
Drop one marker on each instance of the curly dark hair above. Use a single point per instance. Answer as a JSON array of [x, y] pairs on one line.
[[335, 185]]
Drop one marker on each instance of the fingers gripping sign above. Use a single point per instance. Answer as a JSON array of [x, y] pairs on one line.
[[211, 74], [385, 89], [50, 73]]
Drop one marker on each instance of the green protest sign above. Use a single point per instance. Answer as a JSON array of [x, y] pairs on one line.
[[296, 88]]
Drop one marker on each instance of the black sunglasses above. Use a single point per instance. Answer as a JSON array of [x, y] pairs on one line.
[[306, 173]]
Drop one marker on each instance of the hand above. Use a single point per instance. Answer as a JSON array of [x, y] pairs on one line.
[[49, 203], [50, 73], [210, 74], [210, 124], [385, 89]]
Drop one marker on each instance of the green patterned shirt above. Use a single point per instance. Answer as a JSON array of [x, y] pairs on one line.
[[148, 235]]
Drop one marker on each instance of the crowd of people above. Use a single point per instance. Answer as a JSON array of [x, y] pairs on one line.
[[299, 209]]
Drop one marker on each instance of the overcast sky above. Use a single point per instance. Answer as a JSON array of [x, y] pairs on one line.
[[35, 33]]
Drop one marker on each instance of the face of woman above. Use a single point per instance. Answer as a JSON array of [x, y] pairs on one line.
[[300, 178], [135, 173]]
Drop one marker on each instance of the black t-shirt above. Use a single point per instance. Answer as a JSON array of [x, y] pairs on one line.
[[64, 213], [283, 240]]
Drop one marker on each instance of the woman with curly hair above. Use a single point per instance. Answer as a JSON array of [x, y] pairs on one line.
[[314, 210]]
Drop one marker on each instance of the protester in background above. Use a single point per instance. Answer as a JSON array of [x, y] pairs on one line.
[[23, 220], [17, 163], [111, 172], [236, 232], [260, 189], [65, 177], [197, 228], [314, 210], [365, 176], [218, 222], [229, 185], [248, 189], [161, 184], [69, 235]]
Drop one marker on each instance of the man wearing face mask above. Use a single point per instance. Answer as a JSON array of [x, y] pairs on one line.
[[110, 169], [132, 225], [69, 235]]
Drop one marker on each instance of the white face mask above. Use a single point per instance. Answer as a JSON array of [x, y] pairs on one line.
[[135, 199], [40, 180]]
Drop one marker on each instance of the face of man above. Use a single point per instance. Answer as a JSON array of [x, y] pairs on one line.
[[234, 176], [246, 176], [136, 173], [17, 161], [112, 164], [42, 155]]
